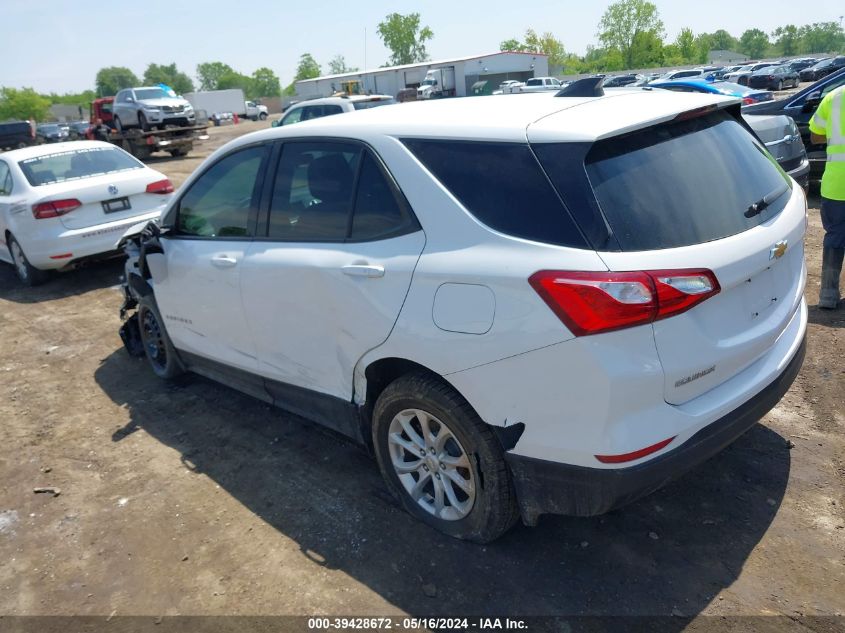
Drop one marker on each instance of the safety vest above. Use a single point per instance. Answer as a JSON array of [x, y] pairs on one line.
[[829, 120]]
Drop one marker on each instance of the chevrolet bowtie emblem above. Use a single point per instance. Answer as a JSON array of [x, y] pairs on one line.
[[778, 250]]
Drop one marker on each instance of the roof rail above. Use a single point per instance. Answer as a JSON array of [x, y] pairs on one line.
[[587, 87]]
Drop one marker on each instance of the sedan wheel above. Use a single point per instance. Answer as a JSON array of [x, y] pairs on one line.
[[26, 272]]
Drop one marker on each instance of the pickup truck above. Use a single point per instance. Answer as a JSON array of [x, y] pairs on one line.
[[255, 111], [536, 84]]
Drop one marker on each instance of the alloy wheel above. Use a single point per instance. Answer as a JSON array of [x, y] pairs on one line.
[[431, 464], [19, 260]]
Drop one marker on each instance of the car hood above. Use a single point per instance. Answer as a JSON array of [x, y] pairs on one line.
[[159, 103]]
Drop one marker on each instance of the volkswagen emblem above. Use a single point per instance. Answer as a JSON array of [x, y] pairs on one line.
[[778, 250], [113, 190]]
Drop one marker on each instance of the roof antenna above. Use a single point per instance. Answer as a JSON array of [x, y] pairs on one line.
[[587, 87]]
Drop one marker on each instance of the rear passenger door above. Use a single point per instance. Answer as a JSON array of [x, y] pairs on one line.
[[326, 282]]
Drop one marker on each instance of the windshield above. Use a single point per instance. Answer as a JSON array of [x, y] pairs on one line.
[[684, 182], [151, 93], [373, 103], [48, 128], [429, 82], [77, 164], [823, 63]]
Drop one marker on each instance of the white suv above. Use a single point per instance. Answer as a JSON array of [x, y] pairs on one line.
[[544, 305], [327, 106]]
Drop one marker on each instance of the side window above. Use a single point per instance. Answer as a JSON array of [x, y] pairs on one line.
[[502, 185], [378, 213], [5, 179], [294, 116], [328, 110], [221, 202], [313, 192], [833, 85]]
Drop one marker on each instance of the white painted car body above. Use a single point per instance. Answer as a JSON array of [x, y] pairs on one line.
[[87, 231], [454, 297]]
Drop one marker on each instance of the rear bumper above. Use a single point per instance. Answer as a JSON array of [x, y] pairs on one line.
[[81, 244], [546, 487]]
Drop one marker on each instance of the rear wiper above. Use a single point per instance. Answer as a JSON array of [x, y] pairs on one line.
[[758, 207]]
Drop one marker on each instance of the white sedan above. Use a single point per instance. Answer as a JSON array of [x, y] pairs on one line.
[[64, 203]]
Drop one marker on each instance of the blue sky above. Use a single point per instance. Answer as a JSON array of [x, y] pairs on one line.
[[59, 46]]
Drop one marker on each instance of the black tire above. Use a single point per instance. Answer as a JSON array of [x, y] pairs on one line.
[[158, 349], [117, 124], [26, 273], [263, 116], [494, 509], [143, 123], [177, 153]]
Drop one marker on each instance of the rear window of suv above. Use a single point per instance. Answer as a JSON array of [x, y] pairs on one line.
[[501, 185], [683, 183]]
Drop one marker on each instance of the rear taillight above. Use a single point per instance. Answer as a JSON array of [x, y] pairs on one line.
[[54, 208], [160, 186], [595, 302], [747, 100]]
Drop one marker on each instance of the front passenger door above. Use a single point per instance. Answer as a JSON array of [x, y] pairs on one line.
[[197, 279]]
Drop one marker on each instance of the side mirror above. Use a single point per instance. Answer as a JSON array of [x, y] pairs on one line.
[[130, 100], [276, 123], [812, 101]]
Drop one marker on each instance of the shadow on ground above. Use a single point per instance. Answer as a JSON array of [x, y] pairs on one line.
[[670, 553], [93, 276]]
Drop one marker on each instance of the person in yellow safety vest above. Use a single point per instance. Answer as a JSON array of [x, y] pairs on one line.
[[828, 127]]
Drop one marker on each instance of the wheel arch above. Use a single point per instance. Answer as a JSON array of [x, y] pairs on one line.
[[380, 373]]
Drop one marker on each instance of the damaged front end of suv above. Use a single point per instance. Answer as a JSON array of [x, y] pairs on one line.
[[137, 243]]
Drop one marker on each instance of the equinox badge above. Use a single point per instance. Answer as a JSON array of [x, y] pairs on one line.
[[778, 250]]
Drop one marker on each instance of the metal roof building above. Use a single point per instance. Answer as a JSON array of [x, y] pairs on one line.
[[493, 69]]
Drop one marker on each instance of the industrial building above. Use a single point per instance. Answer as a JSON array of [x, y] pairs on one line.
[[479, 74]]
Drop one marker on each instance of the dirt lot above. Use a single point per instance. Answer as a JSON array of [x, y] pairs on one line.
[[198, 500]]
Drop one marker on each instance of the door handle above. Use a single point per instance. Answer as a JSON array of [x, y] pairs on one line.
[[363, 270], [224, 261]]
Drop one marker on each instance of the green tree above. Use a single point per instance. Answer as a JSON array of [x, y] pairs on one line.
[[547, 44], [209, 74], [23, 104], [687, 48], [83, 98], [754, 43], [404, 37], [787, 39], [624, 21], [721, 40], [337, 66], [307, 68], [646, 51], [264, 83], [234, 79], [821, 37], [114, 78], [169, 75], [511, 45], [672, 55], [703, 46]]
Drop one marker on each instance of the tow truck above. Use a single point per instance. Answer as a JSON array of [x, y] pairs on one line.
[[176, 140]]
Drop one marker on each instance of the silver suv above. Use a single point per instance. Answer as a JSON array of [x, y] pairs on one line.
[[150, 107]]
